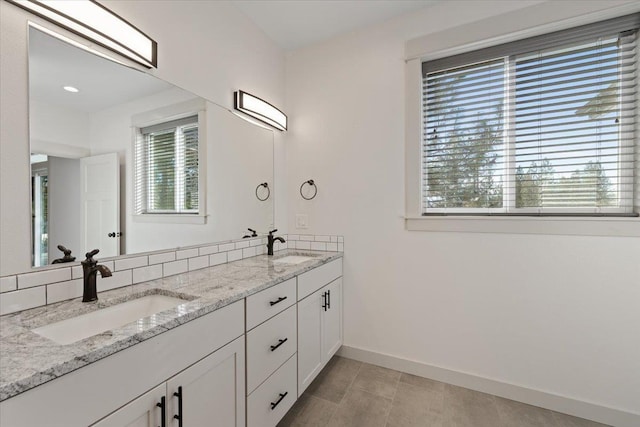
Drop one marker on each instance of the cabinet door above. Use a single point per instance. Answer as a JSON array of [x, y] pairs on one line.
[[332, 320], [142, 412], [309, 339], [213, 390]]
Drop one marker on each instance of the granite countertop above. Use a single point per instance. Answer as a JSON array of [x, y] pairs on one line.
[[28, 359]]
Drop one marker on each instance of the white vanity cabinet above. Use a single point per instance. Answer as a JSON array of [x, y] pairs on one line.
[[211, 392], [319, 320]]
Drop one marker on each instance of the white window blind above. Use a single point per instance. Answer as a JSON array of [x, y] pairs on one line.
[[543, 126], [166, 168]]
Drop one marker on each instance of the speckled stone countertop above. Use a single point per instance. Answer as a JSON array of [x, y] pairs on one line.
[[28, 359]]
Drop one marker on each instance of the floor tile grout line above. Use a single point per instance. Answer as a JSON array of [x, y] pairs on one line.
[[345, 392], [393, 399]]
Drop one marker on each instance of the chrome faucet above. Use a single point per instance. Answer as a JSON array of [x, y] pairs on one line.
[[271, 240], [90, 269]]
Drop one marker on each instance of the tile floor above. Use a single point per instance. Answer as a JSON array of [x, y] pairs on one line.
[[351, 393]]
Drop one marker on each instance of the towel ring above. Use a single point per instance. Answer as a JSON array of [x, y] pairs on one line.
[[312, 184], [265, 185]]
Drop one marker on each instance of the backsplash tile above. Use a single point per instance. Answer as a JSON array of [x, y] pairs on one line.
[[144, 274], [8, 283], [37, 278], [163, 257], [23, 299], [198, 262], [186, 253], [117, 280], [64, 290], [127, 263], [33, 289], [175, 267]]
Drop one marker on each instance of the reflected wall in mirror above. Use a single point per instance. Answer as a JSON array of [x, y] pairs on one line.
[[125, 162]]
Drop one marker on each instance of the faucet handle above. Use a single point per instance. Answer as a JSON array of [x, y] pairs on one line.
[[273, 231], [90, 255]]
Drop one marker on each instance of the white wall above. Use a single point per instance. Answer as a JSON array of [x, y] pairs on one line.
[[208, 48], [557, 314], [58, 131]]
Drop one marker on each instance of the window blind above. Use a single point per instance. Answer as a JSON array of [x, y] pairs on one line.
[[541, 126], [166, 166]]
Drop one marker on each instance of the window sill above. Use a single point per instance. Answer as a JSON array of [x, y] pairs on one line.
[[171, 218], [568, 226]]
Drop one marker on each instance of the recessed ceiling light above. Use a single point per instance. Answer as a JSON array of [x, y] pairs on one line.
[[71, 89]]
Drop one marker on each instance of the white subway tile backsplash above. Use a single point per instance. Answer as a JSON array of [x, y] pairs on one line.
[[23, 299], [249, 252], [226, 247], [277, 246], [29, 280], [64, 291], [127, 263], [144, 274], [318, 246], [322, 238], [217, 259], [117, 280], [332, 247], [175, 267], [257, 242], [303, 245], [242, 244], [8, 283], [307, 237], [208, 250], [234, 255], [163, 257], [261, 250], [198, 262], [187, 253], [76, 272], [293, 237]]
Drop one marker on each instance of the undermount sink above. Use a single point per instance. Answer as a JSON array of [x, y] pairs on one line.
[[292, 259], [86, 325]]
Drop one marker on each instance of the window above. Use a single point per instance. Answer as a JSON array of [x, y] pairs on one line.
[[542, 126], [166, 168]]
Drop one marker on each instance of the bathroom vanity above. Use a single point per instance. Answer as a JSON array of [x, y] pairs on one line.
[[248, 339]]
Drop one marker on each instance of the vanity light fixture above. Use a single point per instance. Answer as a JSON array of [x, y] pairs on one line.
[[259, 109], [91, 20], [71, 89]]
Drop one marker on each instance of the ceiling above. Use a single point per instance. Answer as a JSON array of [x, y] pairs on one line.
[[102, 83], [295, 24]]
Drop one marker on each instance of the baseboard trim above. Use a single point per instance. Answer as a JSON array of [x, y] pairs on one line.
[[567, 405]]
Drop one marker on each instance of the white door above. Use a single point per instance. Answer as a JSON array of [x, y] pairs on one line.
[[100, 204], [212, 391], [142, 412], [332, 320], [310, 362]]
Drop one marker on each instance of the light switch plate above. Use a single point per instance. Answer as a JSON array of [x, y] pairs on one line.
[[302, 221]]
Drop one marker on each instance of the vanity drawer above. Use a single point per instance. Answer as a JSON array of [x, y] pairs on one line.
[[279, 390], [269, 346], [313, 280], [268, 303]]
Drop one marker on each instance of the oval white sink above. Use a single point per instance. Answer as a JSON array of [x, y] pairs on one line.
[[86, 325], [292, 259]]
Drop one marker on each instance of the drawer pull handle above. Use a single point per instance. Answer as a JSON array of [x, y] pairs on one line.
[[279, 300], [178, 417], [324, 301], [329, 299], [282, 396], [163, 411], [280, 342]]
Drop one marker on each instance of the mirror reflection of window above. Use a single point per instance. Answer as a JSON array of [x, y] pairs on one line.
[[167, 168], [39, 210]]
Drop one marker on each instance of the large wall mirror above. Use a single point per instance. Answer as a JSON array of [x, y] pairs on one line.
[[125, 162]]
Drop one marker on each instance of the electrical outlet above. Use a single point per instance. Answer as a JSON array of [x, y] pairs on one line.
[[302, 221]]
